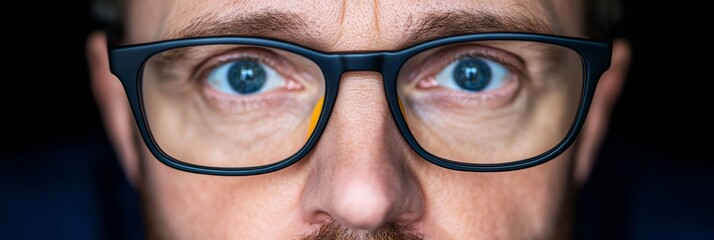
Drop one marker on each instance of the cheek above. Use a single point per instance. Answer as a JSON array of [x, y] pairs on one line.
[[502, 205], [185, 205], [204, 127]]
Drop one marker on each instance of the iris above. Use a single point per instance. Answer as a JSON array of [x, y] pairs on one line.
[[246, 76], [472, 74]]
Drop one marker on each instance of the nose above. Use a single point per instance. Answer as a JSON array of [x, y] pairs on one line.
[[361, 176]]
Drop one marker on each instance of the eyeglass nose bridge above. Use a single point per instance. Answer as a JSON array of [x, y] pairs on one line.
[[362, 62]]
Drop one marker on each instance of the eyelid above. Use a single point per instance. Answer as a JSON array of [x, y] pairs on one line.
[[443, 57], [262, 55]]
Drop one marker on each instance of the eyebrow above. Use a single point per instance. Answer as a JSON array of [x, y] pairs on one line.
[[442, 24], [292, 27], [267, 23], [264, 23]]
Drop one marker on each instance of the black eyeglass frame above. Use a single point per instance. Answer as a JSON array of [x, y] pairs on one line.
[[126, 62]]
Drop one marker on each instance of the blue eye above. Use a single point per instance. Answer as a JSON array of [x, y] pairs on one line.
[[244, 77], [473, 74]]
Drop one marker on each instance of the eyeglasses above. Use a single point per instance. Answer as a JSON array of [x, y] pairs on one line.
[[244, 105]]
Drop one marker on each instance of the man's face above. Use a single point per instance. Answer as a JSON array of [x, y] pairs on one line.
[[362, 176]]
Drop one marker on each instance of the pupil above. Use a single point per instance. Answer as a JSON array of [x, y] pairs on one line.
[[246, 76], [472, 74]]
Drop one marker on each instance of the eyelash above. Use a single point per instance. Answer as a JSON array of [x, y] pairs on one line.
[[435, 62], [259, 55], [248, 102], [444, 57]]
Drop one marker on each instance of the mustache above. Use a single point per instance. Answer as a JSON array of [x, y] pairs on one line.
[[387, 231]]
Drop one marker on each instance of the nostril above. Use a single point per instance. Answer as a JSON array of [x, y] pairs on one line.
[[319, 218]]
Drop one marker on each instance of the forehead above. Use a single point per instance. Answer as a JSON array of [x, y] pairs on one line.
[[331, 25]]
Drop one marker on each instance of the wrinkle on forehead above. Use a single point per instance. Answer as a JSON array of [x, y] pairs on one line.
[[351, 25]]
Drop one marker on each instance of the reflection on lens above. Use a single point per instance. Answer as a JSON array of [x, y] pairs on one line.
[[231, 105], [490, 102]]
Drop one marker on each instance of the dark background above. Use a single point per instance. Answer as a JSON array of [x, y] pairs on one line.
[[652, 180]]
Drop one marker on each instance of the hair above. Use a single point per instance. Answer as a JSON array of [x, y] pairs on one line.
[[388, 231], [603, 17], [108, 15]]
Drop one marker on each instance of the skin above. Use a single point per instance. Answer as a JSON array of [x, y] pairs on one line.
[[361, 174]]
